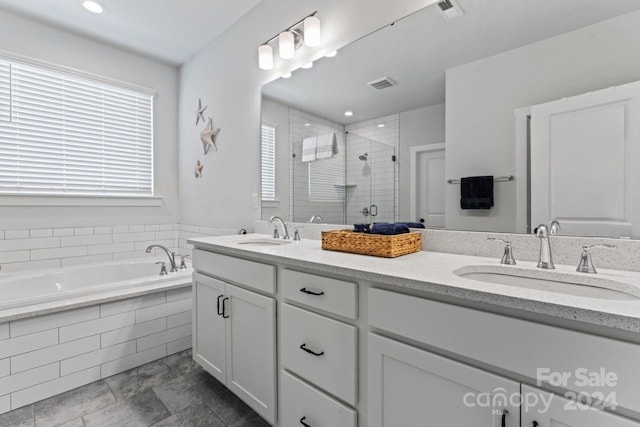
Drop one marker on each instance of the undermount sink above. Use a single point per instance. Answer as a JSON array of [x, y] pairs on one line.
[[264, 242], [588, 286]]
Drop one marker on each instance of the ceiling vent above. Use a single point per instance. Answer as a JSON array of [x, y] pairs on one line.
[[449, 9], [382, 83]]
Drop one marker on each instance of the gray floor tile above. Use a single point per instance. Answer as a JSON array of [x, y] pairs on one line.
[[250, 420], [22, 417], [197, 415], [225, 404], [178, 394], [182, 363], [73, 404], [141, 410], [137, 380], [75, 423]]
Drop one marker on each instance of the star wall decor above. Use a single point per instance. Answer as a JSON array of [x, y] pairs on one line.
[[200, 112], [208, 136], [197, 169]]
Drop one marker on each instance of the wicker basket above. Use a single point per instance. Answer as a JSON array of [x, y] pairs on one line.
[[372, 244]]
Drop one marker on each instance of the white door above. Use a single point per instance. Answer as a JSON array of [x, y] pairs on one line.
[[584, 153], [251, 371], [209, 332], [412, 387], [428, 181], [548, 410]]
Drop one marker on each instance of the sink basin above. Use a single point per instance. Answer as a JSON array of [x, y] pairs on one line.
[[588, 286], [265, 242]]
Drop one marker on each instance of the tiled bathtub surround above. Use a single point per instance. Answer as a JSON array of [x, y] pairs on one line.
[[46, 355]]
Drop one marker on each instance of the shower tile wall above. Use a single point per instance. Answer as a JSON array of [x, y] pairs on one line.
[[301, 207], [376, 181]]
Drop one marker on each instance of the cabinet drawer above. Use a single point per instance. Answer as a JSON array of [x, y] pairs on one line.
[[299, 401], [335, 296], [247, 273], [333, 366]]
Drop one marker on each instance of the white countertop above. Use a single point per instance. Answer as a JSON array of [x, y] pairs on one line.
[[433, 272]]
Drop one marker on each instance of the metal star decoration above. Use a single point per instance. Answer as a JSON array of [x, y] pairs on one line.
[[200, 112], [198, 169], [208, 136]]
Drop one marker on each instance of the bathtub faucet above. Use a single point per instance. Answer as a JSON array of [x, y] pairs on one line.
[[171, 255]]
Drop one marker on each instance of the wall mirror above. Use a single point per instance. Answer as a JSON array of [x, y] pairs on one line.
[[540, 95]]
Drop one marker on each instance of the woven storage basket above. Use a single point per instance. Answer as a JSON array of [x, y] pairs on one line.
[[372, 244]]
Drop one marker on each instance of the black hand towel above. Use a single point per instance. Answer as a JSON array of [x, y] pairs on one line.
[[476, 192]]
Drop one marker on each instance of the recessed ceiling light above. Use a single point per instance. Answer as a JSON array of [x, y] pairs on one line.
[[286, 75], [93, 6], [307, 66], [331, 54], [348, 113], [306, 125], [381, 125]]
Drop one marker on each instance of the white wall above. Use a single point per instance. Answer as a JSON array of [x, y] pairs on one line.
[[227, 78], [417, 127], [33, 39], [278, 114], [482, 96]]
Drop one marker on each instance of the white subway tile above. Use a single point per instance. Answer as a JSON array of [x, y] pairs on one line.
[[92, 327], [121, 229], [166, 235], [136, 228], [133, 237], [179, 345], [96, 358], [163, 337], [179, 319], [22, 244], [5, 403], [1, 234], [5, 367], [41, 232], [142, 245], [111, 248], [63, 231], [16, 267], [83, 231], [131, 332], [29, 378], [51, 321], [178, 294], [163, 310], [83, 260], [26, 343], [40, 254], [166, 227], [151, 227], [4, 331], [131, 304], [117, 256], [103, 230], [137, 359], [86, 240], [51, 388], [14, 256], [16, 234], [56, 353]]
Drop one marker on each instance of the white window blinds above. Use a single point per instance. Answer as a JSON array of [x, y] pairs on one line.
[[327, 178], [268, 162], [61, 133]]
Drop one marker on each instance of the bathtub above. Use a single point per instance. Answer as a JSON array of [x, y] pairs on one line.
[[79, 285]]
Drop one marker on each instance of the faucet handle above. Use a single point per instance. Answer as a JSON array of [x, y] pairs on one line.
[[163, 268], [507, 256], [296, 234], [586, 262], [276, 235], [183, 264]]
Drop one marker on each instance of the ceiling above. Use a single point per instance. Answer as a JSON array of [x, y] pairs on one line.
[[170, 30], [417, 50]]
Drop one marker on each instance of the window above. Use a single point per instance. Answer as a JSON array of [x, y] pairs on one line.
[[268, 163], [63, 133], [327, 178]]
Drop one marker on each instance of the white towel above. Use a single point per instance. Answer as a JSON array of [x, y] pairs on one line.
[[327, 146], [309, 148]]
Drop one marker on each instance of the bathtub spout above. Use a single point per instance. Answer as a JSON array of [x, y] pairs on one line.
[[171, 255]]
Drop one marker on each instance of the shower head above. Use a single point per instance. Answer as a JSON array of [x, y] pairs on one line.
[[364, 157]]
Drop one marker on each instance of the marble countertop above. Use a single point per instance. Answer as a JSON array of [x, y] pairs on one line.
[[433, 272]]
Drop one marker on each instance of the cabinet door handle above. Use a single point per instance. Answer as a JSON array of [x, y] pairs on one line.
[[308, 292], [303, 423], [304, 347], [224, 308], [504, 418], [220, 313], [535, 424]]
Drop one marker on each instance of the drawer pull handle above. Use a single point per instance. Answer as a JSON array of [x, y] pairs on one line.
[[535, 424], [308, 292], [303, 423], [504, 418], [304, 347], [220, 313], [224, 308]]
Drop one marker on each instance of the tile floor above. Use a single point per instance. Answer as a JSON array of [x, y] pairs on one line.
[[170, 392]]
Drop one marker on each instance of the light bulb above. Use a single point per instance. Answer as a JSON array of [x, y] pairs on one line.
[[312, 36], [286, 45], [348, 113], [265, 57]]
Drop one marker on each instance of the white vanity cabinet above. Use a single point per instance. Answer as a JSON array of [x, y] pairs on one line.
[[412, 387]]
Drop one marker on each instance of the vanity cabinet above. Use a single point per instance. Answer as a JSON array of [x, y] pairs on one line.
[[234, 340], [412, 387]]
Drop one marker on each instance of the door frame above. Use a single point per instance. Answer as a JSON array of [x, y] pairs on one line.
[[414, 151], [523, 215]]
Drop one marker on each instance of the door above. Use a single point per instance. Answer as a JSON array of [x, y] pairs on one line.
[[583, 162], [251, 349], [427, 184], [543, 409], [209, 327], [412, 387]]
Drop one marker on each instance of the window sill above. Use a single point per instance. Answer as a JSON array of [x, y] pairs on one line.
[[270, 203], [13, 199]]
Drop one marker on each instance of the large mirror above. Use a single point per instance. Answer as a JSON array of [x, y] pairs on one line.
[[491, 116]]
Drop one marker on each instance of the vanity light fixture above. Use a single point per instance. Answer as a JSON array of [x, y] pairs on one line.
[[305, 32], [348, 113], [93, 6], [308, 65], [331, 54]]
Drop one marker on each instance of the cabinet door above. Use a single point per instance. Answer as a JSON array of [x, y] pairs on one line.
[[251, 349], [412, 387], [209, 328], [543, 409]]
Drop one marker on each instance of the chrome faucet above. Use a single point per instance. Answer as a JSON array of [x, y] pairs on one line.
[[314, 218], [544, 232], [285, 232], [171, 255]]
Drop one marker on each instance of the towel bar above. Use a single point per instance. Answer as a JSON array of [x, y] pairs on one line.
[[495, 179]]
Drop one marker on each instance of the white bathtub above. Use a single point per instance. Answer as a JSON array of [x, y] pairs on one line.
[[67, 284]]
